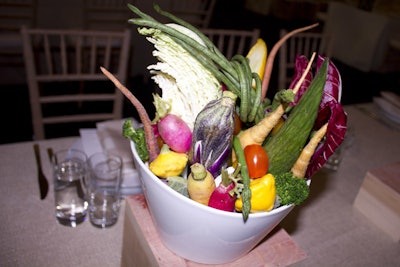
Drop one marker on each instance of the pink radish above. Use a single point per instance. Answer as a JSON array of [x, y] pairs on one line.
[[226, 193], [175, 133]]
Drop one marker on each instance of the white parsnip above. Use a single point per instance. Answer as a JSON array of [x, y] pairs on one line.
[[300, 166], [257, 133]]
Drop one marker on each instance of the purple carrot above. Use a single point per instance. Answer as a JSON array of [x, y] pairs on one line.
[[271, 57], [151, 140]]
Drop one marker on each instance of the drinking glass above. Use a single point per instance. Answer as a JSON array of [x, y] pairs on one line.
[[69, 171], [104, 188]]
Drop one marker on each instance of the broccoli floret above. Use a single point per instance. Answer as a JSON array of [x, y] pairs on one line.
[[138, 137], [290, 189]]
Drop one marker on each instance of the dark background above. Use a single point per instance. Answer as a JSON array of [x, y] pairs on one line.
[[358, 86]]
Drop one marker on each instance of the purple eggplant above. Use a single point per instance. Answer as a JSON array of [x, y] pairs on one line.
[[213, 134]]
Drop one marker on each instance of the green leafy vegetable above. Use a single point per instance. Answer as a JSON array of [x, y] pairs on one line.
[[179, 184], [184, 41], [187, 86], [290, 189], [138, 137]]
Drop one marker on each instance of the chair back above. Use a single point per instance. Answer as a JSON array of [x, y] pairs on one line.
[[15, 13], [106, 14], [64, 78], [196, 12], [232, 42], [305, 43]]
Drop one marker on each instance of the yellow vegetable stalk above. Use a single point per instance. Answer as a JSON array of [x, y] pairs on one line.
[[200, 184], [300, 166], [263, 194], [168, 163]]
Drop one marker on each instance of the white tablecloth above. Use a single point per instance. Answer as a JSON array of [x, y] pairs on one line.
[[30, 234], [326, 226]]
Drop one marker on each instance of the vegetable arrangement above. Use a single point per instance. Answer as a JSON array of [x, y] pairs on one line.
[[215, 123]]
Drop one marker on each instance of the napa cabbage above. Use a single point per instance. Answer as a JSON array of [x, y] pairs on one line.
[[186, 85]]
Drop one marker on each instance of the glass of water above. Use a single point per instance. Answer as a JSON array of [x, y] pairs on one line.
[[104, 188], [69, 172]]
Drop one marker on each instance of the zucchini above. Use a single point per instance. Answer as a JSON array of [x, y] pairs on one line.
[[285, 146]]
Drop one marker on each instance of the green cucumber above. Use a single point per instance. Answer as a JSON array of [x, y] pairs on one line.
[[285, 146]]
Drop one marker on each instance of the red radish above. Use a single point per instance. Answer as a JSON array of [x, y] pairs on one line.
[[175, 133], [226, 193]]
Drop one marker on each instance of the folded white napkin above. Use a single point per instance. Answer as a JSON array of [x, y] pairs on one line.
[[108, 137]]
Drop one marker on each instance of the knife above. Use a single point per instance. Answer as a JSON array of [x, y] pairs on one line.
[[43, 183]]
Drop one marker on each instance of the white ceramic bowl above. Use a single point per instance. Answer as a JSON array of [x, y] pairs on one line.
[[200, 233]]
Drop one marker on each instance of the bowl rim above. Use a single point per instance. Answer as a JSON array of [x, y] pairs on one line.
[[199, 205]]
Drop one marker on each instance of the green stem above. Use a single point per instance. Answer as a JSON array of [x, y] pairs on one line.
[[140, 13], [201, 35], [227, 79], [177, 35], [246, 193]]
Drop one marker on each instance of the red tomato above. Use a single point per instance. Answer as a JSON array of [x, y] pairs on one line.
[[256, 160], [238, 124]]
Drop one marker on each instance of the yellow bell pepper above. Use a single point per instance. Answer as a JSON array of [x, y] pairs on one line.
[[263, 193], [168, 163]]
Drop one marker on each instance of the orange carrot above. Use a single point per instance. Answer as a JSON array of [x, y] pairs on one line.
[[300, 166]]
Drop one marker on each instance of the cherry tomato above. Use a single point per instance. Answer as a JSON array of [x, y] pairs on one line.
[[238, 124], [256, 160]]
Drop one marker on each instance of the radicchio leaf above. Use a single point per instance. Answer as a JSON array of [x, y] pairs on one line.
[[331, 111], [337, 127]]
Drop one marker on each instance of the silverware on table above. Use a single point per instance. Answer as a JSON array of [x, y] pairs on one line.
[[43, 183]]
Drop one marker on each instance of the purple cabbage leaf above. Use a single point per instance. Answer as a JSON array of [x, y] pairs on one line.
[[330, 110]]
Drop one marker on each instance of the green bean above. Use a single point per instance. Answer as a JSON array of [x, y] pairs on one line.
[[235, 74], [184, 23], [244, 92], [246, 193], [247, 80], [257, 99], [228, 80], [245, 64], [140, 13], [173, 33]]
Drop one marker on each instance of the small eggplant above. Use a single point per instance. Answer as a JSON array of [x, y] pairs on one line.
[[213, 133]]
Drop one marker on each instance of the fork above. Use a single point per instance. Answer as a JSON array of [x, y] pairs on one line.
[[43, 183]]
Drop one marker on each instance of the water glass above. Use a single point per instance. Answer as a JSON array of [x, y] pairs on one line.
[[104, 188], [69, 171], [334, 160]]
